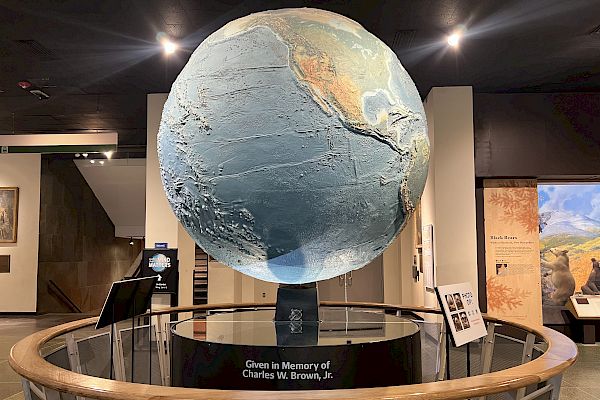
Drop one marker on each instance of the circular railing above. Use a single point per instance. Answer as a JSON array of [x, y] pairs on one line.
[[561, 352]]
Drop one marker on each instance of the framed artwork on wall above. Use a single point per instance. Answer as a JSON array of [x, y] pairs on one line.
[[9, 207]]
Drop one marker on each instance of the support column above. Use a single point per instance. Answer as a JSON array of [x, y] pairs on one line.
[[448, 202], [161, 223]]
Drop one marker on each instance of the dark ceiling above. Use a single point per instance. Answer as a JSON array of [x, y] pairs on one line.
[[99, 58]]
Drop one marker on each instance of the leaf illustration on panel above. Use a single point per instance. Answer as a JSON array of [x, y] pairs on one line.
[[502, 298], [519, 205]]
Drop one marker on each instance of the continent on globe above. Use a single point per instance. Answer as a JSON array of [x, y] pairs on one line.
[[293, 145]]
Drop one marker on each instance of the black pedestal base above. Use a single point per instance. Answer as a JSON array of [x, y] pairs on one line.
[[341, 359]]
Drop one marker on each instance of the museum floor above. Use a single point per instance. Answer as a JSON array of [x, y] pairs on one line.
[[582, 381]]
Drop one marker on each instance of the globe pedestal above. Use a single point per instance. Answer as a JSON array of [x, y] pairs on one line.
[[347, 349]]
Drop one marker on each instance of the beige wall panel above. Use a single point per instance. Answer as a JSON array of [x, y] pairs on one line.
[[18, 289]]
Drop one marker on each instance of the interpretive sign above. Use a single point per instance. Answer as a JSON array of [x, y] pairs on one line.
[[512, 249], [162, 263], [461, 312], [428, 262]]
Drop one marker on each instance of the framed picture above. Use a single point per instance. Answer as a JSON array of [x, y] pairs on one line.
[[9, 206]]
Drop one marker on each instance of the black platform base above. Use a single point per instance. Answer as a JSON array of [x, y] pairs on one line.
[[365, 350]]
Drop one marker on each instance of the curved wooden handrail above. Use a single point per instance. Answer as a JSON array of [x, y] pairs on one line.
[[25, 359]]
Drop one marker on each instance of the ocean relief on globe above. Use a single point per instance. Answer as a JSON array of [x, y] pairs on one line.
[[293, 145]]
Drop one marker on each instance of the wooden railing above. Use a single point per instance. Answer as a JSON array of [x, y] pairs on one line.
[[25, 359]]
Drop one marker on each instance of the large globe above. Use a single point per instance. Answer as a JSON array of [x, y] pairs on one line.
[[293, 145]]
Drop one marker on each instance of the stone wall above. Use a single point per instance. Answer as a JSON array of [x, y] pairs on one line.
[[78, 250]]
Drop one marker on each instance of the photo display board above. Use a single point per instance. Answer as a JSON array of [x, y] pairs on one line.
[[461, 312], [162, 263]]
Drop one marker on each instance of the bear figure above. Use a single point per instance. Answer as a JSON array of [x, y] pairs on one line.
[[561, 277]]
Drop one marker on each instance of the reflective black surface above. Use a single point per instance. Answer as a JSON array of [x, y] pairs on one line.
[[337, 326], [248, 350]]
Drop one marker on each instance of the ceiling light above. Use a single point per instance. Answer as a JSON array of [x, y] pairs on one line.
[[169, 46], [131, 242], [108, 154], [101, 162], [454, 39], [84, 155], [92, 161], [77, 155], [456, 36]]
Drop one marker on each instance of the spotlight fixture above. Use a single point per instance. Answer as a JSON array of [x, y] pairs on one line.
[[92, 161], [131, 241], [108, 154], [455, 37], [101, 162], [169, 46], [84, 155], [77, 155]]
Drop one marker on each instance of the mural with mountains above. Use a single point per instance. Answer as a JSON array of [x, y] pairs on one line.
[[569, 220]]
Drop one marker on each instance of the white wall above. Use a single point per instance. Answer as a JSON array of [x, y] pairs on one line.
[[161, 223], [448, 202], [392, 273], [225, 285], [120, 186], [18, 289]]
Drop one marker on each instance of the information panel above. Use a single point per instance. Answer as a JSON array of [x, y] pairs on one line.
[[461, 312], [162, 263], [512, 250], [585, 307]]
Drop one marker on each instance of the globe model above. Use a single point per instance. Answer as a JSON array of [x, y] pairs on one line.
[[293, 145]]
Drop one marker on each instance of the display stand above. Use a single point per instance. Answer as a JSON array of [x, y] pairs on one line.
[[462, 319], [586, 311], [126, 299], [297, 315]]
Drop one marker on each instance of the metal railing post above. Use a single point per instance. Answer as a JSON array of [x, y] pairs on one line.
[[526, 357], [441, 356]]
